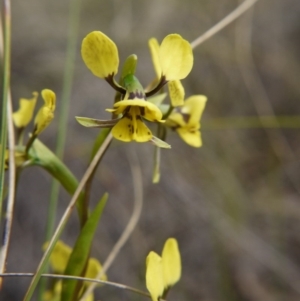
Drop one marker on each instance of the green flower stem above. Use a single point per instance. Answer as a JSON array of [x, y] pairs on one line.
[[6, 80], [168, 113], [29, 143], [273, 122]]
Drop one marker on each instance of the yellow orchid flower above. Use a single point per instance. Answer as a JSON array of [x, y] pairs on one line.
[[46, 112], [173, 60], [100, 55], [186, 120], [163, 272], [24, 115], [134, 108]]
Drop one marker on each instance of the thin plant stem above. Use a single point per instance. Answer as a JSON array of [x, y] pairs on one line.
[[136, 213], [96, 281], [11, 191], [224, 22], [7, 107], [64, 219], [6, 47]]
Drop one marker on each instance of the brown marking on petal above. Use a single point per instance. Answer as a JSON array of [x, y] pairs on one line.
[[138, 117], [149, 133], [128, 116], [137, 94], [131, 95], [186, 117], [142, 111]]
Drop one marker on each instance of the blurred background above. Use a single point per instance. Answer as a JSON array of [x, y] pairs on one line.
[[233, 204]]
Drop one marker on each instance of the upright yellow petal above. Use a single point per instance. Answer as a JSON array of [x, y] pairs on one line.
[[46, 112], [154, 50], [176, 57], [171, 262], [100, 54], [194, 106], [23, 116], [59, 256], [154, 276], [176, 92]]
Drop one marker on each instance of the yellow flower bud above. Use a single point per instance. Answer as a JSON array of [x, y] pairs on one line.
[[46, 112]]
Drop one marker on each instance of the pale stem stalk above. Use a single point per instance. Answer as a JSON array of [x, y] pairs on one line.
[[11, 139], [224, 22], [96, 281]]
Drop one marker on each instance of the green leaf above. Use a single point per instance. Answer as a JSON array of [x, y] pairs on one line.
[[96, 123], [79, 256]]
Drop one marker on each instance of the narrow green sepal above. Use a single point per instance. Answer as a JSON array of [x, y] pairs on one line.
[[159, 143], [156, 168], [96, 123]]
